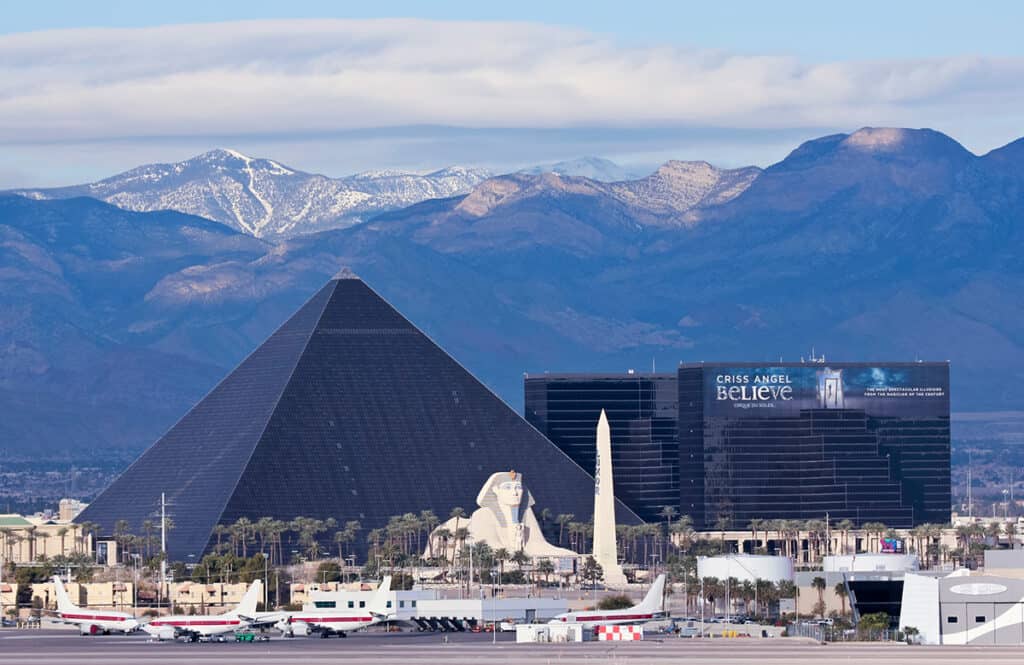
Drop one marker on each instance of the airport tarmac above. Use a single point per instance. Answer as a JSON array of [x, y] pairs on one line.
[[43, 647]]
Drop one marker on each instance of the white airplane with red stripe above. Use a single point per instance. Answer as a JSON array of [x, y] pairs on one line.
[[339, 622], [194, 627], [90, 622], [649, 609]]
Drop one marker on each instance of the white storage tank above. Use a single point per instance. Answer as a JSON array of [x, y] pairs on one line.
[[746, 567]]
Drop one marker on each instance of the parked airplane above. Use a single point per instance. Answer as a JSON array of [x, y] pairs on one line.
[[195, 627], [90, 622], [339, 622], [649, 609]]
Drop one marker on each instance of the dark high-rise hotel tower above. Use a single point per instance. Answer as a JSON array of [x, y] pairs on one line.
[[867, 442]]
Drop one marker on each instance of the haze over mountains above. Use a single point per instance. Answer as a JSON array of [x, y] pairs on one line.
[[881, 244]]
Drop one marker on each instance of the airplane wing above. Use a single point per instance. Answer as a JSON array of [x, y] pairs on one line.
[[265, 621]]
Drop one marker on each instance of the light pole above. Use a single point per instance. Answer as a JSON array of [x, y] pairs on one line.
[[135, 582], [352, 564], [494, 611], [266, 582]]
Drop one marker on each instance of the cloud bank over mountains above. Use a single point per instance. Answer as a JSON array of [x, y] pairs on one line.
[[281, 77]]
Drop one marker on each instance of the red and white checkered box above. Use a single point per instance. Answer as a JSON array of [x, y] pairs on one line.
[[619, 633]]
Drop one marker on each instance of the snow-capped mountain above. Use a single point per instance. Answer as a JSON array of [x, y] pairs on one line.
[[264, 198]]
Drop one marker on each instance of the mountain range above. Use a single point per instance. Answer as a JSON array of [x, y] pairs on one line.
[[882, 244], [595, 168], [264, 198]]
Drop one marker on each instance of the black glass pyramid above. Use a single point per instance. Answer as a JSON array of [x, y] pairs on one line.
[[346, 411]]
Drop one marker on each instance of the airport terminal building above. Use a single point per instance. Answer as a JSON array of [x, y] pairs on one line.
[[868, 442]]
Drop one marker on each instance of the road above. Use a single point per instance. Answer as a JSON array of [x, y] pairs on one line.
[[44, 647]]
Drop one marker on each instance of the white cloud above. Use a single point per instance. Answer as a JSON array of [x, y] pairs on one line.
[[270, 77]]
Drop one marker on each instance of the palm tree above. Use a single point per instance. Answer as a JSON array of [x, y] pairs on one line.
[[501, 555], [86, 530], [241, 530], [819, 584], [682, 529], [994, 530], [840, 590], [147, 530], [668, 513], [456, 514], [42, 536], [765, 590], [754, 526], [721, 524], [545, 567], [844, 527], [815, 534], [443, 535], [352, 527], [561, 521], [340, 538], [429, 521], [62, 533], [870, 529]]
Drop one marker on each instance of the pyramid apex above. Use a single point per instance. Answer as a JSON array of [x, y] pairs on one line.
[[345, 273]]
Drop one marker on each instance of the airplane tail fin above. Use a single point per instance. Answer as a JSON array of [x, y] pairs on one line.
[[64, 603], [381, 598], [652, 602], [248, 605]]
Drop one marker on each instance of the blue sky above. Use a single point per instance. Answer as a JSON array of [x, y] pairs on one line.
[[498, 85]]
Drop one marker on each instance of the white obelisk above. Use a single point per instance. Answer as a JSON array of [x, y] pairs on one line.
[[605, 550]]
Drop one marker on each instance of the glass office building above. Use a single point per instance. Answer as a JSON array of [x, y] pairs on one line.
[[347, 411], [642, 414]]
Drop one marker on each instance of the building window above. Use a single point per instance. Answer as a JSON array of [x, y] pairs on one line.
[[414, 603], [351, 604], [979, 619], [401, 603], [951, 619], [362, 603], [389, 605]]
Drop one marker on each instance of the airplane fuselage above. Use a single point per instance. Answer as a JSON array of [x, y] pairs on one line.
[[93, 623], [173, 626], [327, 623], [623, 617]]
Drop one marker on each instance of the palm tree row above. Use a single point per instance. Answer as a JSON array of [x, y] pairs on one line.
[[37, 540]]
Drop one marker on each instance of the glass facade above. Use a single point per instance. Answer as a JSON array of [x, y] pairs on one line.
[[642, 414], [867, 442], [348, 411], [727, 443]]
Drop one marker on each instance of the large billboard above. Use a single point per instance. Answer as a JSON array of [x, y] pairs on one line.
[[904, 390]]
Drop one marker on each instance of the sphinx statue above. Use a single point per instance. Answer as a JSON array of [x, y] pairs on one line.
[[505, 519]]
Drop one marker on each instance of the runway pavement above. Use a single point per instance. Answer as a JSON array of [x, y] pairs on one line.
[[43, 647]]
